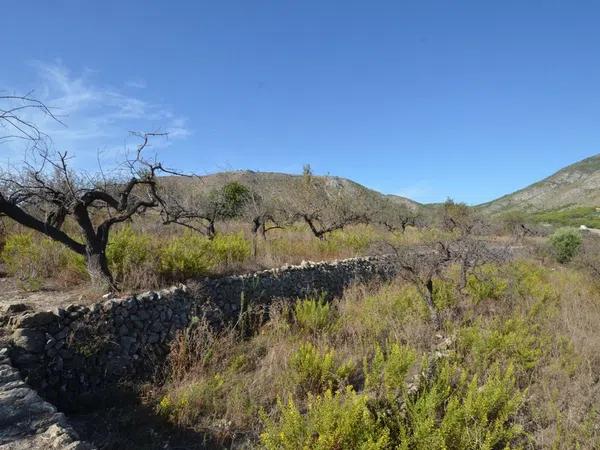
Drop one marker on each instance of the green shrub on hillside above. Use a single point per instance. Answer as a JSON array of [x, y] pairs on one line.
[[185, 257], [570, 217], [357, 240], [191, 255], [228, 249], [32, 259], [312, 315], [463, 414], [332, 421], [487, 284], [136, 260], [189, 403], [386, 373], [509, 340], [565, 244], [131, 255], [314, 371], [445, 294]]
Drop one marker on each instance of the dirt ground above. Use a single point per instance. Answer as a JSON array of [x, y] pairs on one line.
[[48, 298]]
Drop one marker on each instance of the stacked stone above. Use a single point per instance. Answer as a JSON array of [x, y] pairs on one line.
[[26, 420], [81, 350]]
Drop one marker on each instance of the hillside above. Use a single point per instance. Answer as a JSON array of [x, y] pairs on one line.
[[575, 188], [282, 184]]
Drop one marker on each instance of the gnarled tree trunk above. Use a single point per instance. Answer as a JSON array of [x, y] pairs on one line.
[[97, 267]]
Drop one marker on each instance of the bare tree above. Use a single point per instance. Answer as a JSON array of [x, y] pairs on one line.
[[263, 213], [422, 265], [518, 224], [15, 125], [395, 217], [46, 191], [325, 204], [456, 217]]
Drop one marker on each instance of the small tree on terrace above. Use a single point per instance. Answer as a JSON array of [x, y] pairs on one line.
[[456, 246], [456, 217], [517, 224], [326, 204], [395, 217], [199, 209]]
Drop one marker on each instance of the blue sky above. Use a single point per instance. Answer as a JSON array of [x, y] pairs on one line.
[[428, 99]]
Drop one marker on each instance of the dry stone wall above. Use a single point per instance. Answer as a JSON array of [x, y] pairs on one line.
[[80, 350], [26, 420]]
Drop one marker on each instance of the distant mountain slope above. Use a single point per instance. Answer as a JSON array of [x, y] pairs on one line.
[[577, 185], [282, 184]]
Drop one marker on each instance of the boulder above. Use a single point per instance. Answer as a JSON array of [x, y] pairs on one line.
[[30, 340], [35, 319]]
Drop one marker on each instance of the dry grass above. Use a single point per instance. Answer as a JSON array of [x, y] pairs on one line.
[[147, 256]]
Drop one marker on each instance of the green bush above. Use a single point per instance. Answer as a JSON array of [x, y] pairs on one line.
[[357, 240], [191, 255], [32, 259], [185, 256], [387, 372], [565, 244], [314, 371], [130, 255], [505, 340], [192, 401], [388, 311], [333, 421], [481, 416], [312, 315], [486, 284], [227, 249], [444, 294], [462, 415]]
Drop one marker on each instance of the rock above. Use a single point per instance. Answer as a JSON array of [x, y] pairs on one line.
[[29, 422], [30, 340], [147, 296], [35, 319], [17, 308], [23, 359], [62, 334], [50, 343], [108, 305], [126, 343]]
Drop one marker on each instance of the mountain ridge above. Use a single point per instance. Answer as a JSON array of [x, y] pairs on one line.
[[575, 185]]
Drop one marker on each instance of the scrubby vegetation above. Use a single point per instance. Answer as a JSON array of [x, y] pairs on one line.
[[142, 258], [565, 244], [514, 366], [32, 259], [575, 216], [137, 260]]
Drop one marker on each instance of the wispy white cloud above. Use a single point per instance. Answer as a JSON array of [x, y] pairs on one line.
[[138, 83], [421, 191], [97, 117]]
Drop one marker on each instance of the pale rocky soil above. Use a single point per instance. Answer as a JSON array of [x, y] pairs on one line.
[[46, 299], [29, 422]]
